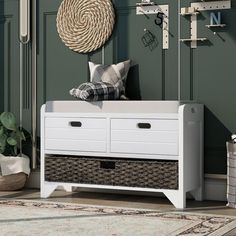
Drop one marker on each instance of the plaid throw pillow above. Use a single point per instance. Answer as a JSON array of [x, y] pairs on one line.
[[96, 91], [114, 74]]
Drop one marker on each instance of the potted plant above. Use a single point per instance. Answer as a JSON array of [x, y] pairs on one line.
[[14, 165]]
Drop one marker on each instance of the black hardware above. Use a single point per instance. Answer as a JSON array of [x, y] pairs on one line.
[[75, 123], [110, 165], [160, 18], [148, 38], [144, 125]]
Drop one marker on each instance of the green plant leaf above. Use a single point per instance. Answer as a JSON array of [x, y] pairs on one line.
[[27, 135], [18, 136], [8, 120], [11, 136], [11, 141]]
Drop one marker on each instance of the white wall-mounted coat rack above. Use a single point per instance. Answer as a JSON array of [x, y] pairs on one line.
[[24, 37], [24, 21], [198, 7], [146, 9]]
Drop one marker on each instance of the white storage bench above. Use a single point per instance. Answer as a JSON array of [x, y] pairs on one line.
[[150, 146]]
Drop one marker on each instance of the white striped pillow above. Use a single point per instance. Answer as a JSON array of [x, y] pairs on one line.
[[115, 74]]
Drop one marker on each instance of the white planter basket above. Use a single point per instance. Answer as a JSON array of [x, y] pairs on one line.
[[13, 172], [12, 182], [231, 174]]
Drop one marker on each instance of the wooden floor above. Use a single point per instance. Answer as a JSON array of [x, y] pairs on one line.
[[126, 201]]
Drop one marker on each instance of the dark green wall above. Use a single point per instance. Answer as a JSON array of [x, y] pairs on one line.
[[10, 66], [9, 60], [207, 73], [208, 76], [1, 56]]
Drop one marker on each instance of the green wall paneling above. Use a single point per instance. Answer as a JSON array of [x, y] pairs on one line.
[[9, 73], [150, 78], [207, 73], [2, 71], [10, 64], [207, 76], [153, 74]]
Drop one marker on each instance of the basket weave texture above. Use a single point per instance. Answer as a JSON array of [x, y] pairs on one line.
[[12, 182], [116, 172], [83, 25]]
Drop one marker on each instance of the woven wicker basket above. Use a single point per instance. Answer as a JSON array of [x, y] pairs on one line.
[[116, 172], [12, 182]]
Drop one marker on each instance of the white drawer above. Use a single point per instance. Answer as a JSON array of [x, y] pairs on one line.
[[132, 124], [76, 134], [86, 123], [75, 145], [144, 148], [144, 136]]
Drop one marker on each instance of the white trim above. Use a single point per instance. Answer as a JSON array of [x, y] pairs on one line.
[[215, 189], [194, 31], [215, 176], [34, 179]]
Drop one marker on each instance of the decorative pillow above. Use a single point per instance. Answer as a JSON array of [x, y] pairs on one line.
[[96, 91], [114, 74]]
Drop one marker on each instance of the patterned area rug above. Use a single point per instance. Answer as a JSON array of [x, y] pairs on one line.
[[24, 217]]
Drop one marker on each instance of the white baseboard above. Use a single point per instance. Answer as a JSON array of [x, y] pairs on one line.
[[33, 180], [215, 186]]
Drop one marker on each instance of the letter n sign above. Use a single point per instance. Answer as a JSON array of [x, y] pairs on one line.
[[215, 19]]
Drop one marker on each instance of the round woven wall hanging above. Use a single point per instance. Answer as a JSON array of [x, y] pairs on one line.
[[85, 25]]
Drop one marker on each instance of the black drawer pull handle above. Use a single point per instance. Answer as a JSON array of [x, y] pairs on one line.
[[75, 123], [144, 125], [109, 165]]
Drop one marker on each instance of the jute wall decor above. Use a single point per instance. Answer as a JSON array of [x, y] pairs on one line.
[[85, 25]]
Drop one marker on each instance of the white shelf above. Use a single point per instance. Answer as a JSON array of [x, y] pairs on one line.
[[145, 4], [211, 5], [215, 26], [189, 14], [190, 40]]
